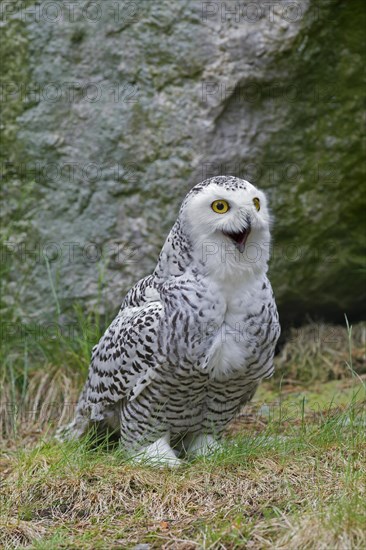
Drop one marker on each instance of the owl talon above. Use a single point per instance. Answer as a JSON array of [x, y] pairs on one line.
[[203, 445], [158, 454]]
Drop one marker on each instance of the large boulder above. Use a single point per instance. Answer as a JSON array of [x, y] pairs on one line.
[[115, 109]]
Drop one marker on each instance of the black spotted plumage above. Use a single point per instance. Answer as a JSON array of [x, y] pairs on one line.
[[191, 341]]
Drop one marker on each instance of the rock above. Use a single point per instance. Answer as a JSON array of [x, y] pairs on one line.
[[115, 110]]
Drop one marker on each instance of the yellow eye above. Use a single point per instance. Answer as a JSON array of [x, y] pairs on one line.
[[220, 206], [257, 203]]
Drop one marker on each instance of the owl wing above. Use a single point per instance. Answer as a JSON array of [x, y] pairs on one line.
[[127, 356], [143, 292]]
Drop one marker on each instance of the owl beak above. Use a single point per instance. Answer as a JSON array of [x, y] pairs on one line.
[[239, 238]]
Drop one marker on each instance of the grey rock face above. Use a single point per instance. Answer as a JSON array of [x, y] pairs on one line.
[[126, 106]]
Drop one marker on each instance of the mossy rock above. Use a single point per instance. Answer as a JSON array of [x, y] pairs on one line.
[[181, 96]]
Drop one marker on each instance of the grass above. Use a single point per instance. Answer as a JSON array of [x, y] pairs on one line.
[[291, 475]]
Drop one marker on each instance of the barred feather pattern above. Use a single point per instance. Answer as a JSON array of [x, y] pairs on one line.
[[189, 345]]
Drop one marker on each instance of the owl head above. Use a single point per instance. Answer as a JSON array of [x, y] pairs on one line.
[[227, 222]]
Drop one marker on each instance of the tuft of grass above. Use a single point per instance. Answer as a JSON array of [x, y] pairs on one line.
[[320, 353]]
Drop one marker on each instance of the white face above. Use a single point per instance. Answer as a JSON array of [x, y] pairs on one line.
[[229, 228]]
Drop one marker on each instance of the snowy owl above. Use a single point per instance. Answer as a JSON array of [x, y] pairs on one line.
[[192, 341]]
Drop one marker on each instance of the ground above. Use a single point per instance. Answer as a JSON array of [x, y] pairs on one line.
[[292, 473]]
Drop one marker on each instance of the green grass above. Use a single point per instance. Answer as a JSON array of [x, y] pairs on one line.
[[284, 486], [291, 474]]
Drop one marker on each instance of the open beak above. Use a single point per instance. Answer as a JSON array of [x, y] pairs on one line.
[[239, 238]]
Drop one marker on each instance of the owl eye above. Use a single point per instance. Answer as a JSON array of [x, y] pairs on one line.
[[220, 206], [257, 203]]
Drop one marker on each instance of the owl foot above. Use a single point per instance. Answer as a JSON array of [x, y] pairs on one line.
[[201, 445], [158, 454]]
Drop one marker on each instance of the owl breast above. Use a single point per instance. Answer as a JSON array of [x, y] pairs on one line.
[[224, 329], [246, 333]]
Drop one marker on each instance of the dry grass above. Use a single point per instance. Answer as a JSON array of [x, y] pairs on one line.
[[292, 475], [319, 352], [278, 495]]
